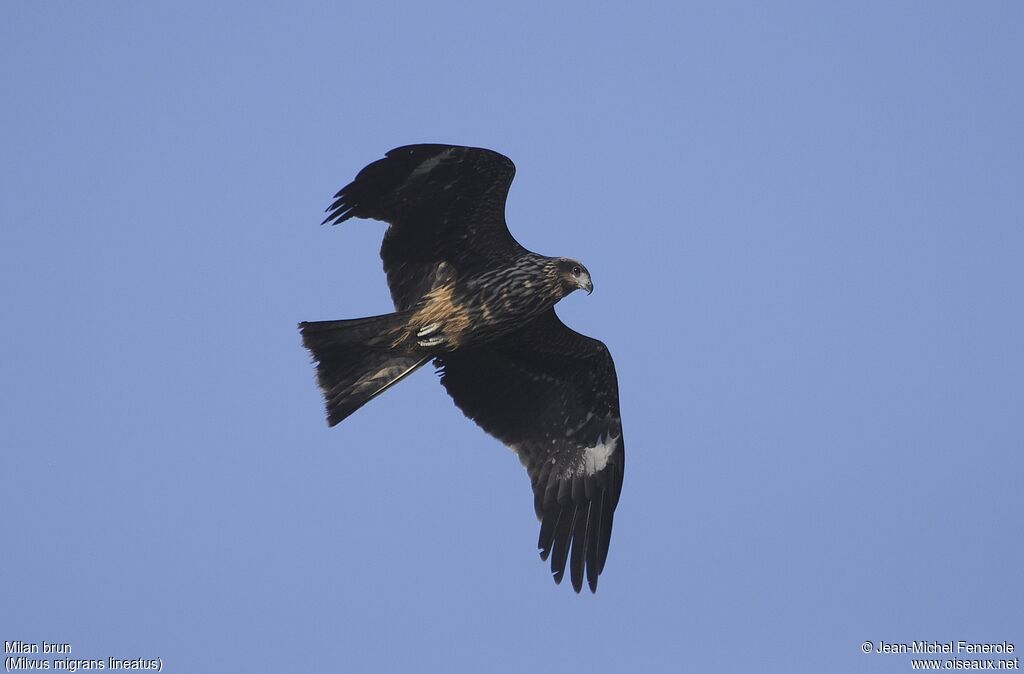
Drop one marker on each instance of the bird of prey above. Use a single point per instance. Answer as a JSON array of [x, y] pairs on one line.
[[478, 304]]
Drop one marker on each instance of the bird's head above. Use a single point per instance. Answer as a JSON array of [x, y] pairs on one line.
[[573, 275]]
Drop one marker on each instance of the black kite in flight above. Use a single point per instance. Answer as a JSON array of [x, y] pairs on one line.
[[478, 304]]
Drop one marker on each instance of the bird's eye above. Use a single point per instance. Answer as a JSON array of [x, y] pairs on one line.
[[575, 271]]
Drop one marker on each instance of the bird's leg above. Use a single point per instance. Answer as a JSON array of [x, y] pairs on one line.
[[424, 335]]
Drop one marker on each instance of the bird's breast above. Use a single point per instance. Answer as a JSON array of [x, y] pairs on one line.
[[451, 316]]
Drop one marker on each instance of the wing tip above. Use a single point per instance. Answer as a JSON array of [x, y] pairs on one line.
[[577, 533], [337, 216]]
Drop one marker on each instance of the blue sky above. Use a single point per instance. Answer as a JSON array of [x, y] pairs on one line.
[[804, 224]]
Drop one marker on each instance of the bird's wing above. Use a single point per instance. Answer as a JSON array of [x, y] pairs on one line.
[[551, 394], [445, 204]]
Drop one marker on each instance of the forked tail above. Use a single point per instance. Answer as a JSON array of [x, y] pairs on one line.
[[357, 360]]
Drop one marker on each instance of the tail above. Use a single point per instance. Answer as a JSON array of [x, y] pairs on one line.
[[357, 360]]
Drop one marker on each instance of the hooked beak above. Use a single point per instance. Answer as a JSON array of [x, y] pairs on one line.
[[586, 284]]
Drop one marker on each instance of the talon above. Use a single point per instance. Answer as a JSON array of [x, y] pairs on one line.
[[427, 330]]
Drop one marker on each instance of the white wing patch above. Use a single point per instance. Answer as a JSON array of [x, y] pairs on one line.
[[596, 458], [592, 460]]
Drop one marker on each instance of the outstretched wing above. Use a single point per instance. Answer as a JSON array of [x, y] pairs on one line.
[[445, 203], [551, 394]]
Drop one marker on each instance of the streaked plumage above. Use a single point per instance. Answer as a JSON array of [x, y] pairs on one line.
[[469, 297]]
